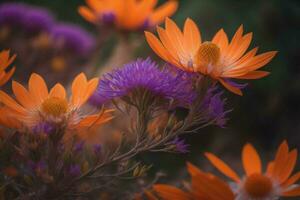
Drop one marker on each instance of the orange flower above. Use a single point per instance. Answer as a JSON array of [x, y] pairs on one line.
[[275, 182], [5, 61], [37, 105], [127, 15], [218, 58], [203, 186]]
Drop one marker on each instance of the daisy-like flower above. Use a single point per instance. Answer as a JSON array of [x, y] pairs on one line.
[[37, 105], [141, 76], [276, 182], [5, 61], [129, 15], [218, 58], [203, 186]]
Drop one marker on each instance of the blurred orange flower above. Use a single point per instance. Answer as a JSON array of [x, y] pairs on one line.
[[5, 61], [218, 58], [203, 186], [275, 182], [37, 105], [129, 15]]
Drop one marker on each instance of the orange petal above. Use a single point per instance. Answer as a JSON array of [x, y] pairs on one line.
[[260, 60], [230, 87], [280, 159], [22, 95], [241, 49], [95, 120], [11, 103], [295, 192], [176, 37], [167, 43], [159, 49], [293, 179], [221, 40], [167, 192], [166, 10], [251, 160], [58, 91], [91, 87], [222, 167], [288, 166], [254, 75], [7, 76], [37, 88], [233, 45], [79, 87], [191, 36], [87, 14]]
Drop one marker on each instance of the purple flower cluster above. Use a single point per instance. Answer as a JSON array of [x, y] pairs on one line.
[[72, 38], [28, 18], [144, 74], [32, 20]]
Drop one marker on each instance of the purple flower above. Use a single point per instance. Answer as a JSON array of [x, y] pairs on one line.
[[97, 148], [180, 145], [213, 107], [78, 147], [74, 170], [43, 127], [108, 18], [146, 76], [11, 14], [37, 20], [37, 166], [72, 38]]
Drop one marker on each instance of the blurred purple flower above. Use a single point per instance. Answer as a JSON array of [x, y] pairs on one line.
[[108, 18], [11, 14], [37, 20], [43, 127], [97, 148], [144, 74], [74, 170], [72, 38], [180, 145], [78, 147], [37, 166]]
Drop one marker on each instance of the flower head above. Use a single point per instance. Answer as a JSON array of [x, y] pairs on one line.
[[218, 58], [129, 15], [37, 20], [31, 19], [275, 182], [203, 186], [72, 38], [11, 14], [37, 105], [146, 76]]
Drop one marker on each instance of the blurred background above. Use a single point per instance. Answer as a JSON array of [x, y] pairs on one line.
[[269, 111]]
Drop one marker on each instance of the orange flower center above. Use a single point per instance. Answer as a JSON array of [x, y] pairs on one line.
[[55, 106], [208, 53], [258, 185]]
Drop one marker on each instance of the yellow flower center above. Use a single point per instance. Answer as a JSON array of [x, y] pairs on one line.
[[208, 53], [55, 106], [258, 185]]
